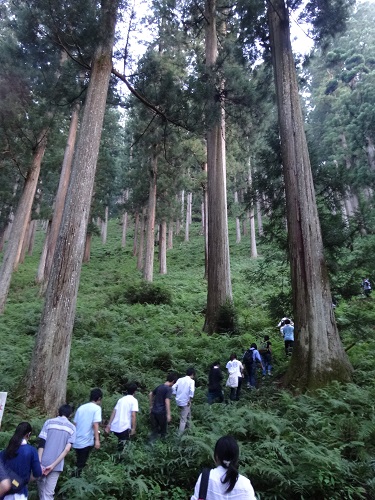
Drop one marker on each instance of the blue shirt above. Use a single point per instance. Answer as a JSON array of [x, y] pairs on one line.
[[23, 464], [288, 332]]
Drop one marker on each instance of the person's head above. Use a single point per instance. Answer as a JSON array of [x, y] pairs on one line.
[[253, 346], [23, 431], [96, 395], [131, 388], [233, 356], [215, 363], [190, 372], [266, 337], [226, 454], [287, 322], [172, 377], [65, 411]]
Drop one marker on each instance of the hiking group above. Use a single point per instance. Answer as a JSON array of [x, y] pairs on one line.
[[20, 462]]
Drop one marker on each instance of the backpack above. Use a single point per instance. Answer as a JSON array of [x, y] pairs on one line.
[[248, 357]]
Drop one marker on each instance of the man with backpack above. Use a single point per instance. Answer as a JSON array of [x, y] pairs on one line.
[[366, 285], [250, 360]]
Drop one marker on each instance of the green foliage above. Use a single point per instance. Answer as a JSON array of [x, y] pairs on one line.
[[144, 293], [292, 447]]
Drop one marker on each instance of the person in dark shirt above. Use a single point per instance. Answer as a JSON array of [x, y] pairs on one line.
[[22, 459], [160, 407], [215, 377]]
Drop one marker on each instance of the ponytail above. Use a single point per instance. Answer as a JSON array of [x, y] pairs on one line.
[[227, 455], [15, 442]]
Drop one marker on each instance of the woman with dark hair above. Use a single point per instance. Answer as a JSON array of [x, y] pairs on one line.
[[22, 459], [225, 481]]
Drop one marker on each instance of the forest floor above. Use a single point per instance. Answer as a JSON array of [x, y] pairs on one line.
[[310, 446]]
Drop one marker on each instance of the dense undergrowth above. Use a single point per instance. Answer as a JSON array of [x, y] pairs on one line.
[[312, 446]]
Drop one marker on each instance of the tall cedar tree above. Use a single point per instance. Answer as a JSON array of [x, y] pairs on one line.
[[318, 356], [219, 291], [48, 371]]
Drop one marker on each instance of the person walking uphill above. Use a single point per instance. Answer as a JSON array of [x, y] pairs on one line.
[[22, 459], [124, 417], [235, 370], [288, 334], [184, 390], [160, 407], [250, 359], [215, 377], [224, 481], [55, 441], [87, 420]]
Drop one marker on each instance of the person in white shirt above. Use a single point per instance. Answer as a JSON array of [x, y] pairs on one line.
[[184, 389], [235, 371], [225, 482], [87, 420], [124, 417]]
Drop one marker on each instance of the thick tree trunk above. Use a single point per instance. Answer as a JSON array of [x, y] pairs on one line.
[[205, 223], [24, 246], [148, 270], [219, 280], [136, 230], [61, 194], [42, 262], [104, 229], [47, 375], [87, 250], [163, 247], [21, 220], [318, 355], [140, 252]]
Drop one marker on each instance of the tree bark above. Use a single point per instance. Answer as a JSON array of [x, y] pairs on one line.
[[42, 261], [104, 229], [187, 218], [140, 252], [60, 195], [21, 220], [219, 284], [136, 230], [31, 239], [87, 250], [318, 355], [47, 374], [148, 270], [163, 247]]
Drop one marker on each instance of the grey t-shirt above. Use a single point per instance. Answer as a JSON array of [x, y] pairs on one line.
[[57, 433]]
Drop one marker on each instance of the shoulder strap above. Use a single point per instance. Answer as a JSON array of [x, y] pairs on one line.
[[203, 487]]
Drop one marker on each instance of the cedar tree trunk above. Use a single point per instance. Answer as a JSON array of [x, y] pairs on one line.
[[219, 284], [318, 355], [48, 371]]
